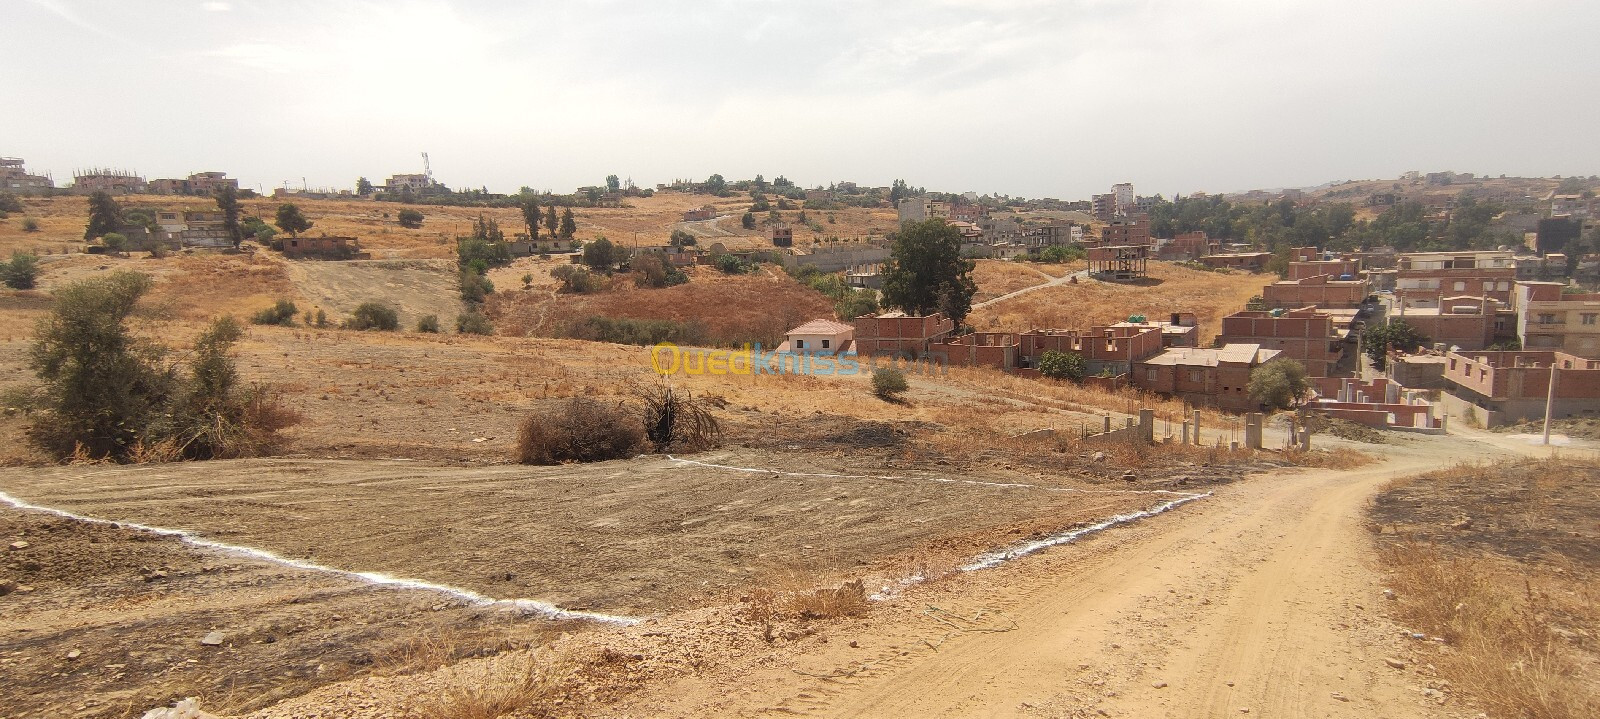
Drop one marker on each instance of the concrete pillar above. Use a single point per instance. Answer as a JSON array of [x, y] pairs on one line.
[[1305, 438], [1197, 426], [1253, 424], [1147, 425], [1108, 423], [1186, 431]]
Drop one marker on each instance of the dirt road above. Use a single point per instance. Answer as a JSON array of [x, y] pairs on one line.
[[1263, 599]]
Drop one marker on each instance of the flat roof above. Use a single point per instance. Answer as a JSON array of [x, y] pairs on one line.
[[1207, 357]]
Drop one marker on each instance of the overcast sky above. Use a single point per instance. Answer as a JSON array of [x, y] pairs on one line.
[[1030, 98]]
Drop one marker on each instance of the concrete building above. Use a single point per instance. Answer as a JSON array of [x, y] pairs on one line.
[[324, 248], [1127, 202], [1242, 261], [700, 214], [1488, 389], [199, 183], [899, 334], [1119, 262], [193, 228], [917, 209], [843, 257], [1436, 275], [417, 185], [782, 236], [820, 337], [1304, 335], [1104, 207], [1317, 290], [1127, 230], [1549, 320], [15, 179], [1186, 247], [1470, 323], [116, 182], [1381, 403], [1217, 377]]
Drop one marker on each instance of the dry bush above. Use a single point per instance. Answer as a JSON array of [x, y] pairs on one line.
[[846, 600], [1503, 629], [1328, 458], [675, 419], [582, 430], [496, 687]]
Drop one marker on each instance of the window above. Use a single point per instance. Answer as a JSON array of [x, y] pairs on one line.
[[1547, 319], [1461, 286], [1488, 285], [799, 344], [1150, 374], [825, 344], [1503, 286], [1588, 318]]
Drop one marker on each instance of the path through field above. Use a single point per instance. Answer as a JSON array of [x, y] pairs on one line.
[[1079, 276], [1262, 601]]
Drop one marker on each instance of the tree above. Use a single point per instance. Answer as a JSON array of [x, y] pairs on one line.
[[473, 322], [1063, 365], [551, 224], [613, 183], [290, 220], [228, 201], [577, 280], [855, 304], [898, 191], [363, 187], [105, 216], [114, 241], [1397, 334], [926, 273], [101, 383], [428, 323], [530, 215], [748, 221], [601, 255], [280, 313], [569, 225], [681, 238], [9, 202], [373, 316], [410, 219], [653, 270], [1279, 384], [888, 383], [21, 272], [716, 185]]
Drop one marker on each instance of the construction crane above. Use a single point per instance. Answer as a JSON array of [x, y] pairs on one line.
[[427, 169]]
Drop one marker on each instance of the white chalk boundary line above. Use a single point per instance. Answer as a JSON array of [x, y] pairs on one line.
[[990, 560], [529, 606]]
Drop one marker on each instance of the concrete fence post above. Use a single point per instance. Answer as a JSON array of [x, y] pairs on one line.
[[1197, 426], [1147, 425], [1186, 431]]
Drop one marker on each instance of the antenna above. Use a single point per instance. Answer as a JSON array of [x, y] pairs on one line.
[[427, 169]]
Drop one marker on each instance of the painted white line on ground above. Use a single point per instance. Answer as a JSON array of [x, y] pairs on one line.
[[529, 606]]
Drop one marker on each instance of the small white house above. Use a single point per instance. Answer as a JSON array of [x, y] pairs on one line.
[[820, 337]]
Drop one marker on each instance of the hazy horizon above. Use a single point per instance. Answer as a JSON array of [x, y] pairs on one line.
[[1021, 97]]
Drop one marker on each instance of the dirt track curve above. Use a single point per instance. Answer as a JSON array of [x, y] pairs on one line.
[[1263, 602]]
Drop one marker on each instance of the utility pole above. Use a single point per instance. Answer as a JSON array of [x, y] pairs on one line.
[[1549, 400]]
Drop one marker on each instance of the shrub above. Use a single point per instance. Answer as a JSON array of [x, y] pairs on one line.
[[674, 419], [653, 270], [577, 280], [10, 202], [582, 430], [21, 272], [410, 219], [1063, 365], [30, 225], [429, 323], [281, 313], [630, 331], [732, 265], [848, 600], [373, 316], [322, 318], [114, 241], [475, 287], [888, 383], [473, 323]]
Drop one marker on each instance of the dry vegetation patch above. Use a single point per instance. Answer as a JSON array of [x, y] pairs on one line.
[[1500, 561]]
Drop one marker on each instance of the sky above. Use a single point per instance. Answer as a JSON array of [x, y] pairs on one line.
[[1020, 97]]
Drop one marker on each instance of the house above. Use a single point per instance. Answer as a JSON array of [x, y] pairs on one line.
[[1186, 247], [324, 248], [1437, 274], [1119, 262], [1341, 269], [14, 178], [1465, 322], [1107, 349], [1305, 335], [1319, 290], [700, 214], [837, 257], [782, 236], [1548, 319], [917, 209], [418, 185], [1245, 261], [1489, 389], [1217, 377], [899, 334], [199, 183], [1179, 330], [193, 228], [819, 337], [116, 182], [1134, 230]]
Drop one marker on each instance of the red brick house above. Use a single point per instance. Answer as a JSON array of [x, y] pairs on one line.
[[1304, 334], [1212, 377]]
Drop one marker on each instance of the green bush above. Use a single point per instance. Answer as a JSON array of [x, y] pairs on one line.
[[577, 280], [10, 202], [475, 287], [888, 382], [429, 323], [1063, 365], [373, 316], [473, 323], [21, 272], [281, 313], [630, 331], [410, 219]]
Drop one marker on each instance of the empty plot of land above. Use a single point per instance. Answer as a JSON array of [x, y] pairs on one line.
[[415, 288], [629, 537]]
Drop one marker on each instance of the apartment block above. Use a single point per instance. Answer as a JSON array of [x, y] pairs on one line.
[[1547, 319], [1423, 275]]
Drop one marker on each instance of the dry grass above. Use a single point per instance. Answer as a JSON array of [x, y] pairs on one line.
[[1209, 295], [1506, 628], [486, 689], [846, 600], [1341, 458]]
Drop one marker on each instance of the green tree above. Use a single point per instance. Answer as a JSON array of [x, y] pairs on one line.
[[280, 313], [227, 197], [101, 383], [105, 216], [716, 185], [291, 221], [530, 215], [681, 238], [926, 273], [114, 241], [748, 221], [569, 224], [21, 272], [1063, 365], [601, 255], [410, 219], [1279, 384], [888, 383], [551, 224], [577, 280], [1397, 334], [855, 304], [613, 183], [373, 316], [473, 322], [363, 187]]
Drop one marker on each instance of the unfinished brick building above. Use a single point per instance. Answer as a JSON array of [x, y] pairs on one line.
[[899, 334], [1119, 262], [1210, 377], [1304, 335], [1489, 389], [1317, 290]]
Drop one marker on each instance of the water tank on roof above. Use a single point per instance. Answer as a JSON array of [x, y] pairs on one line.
[[1277, 312], [1347, 277], [1136, 318]]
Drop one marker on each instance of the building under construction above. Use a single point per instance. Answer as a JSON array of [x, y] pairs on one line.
[[14, 178], [116, 182], [1119, 262]]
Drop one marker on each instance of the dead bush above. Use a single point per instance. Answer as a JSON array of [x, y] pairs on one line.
[[675, 419], [582, 430], [847, 600], [492, 688]]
